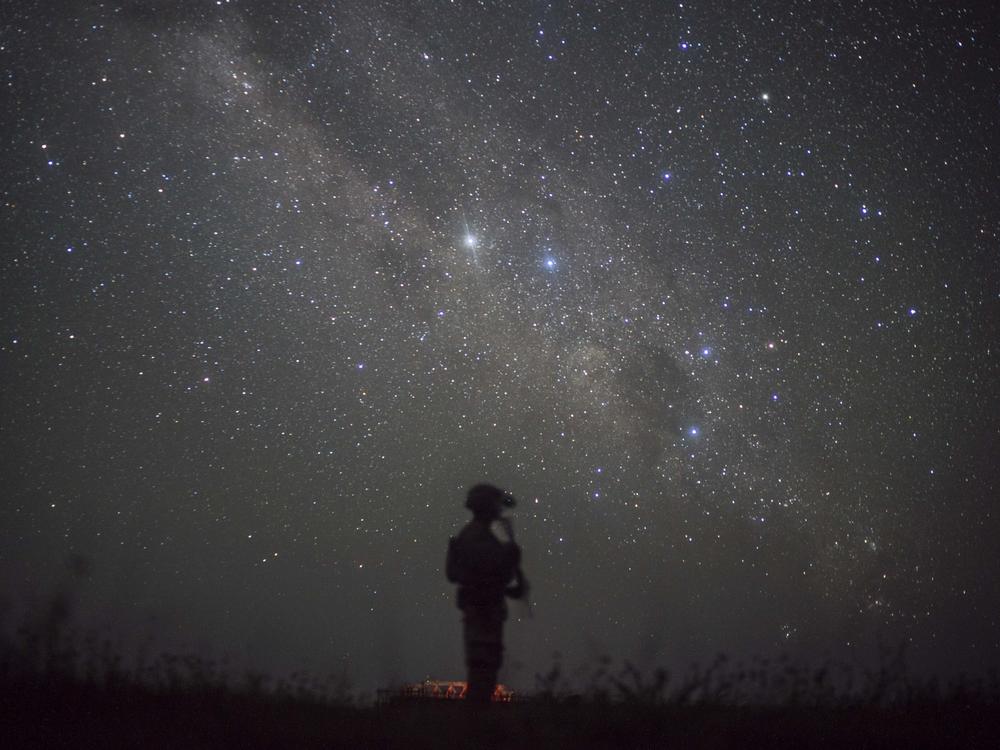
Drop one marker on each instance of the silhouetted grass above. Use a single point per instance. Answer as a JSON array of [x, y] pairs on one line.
[[61, 688]]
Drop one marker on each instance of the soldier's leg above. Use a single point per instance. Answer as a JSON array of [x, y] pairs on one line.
[[483, 630]]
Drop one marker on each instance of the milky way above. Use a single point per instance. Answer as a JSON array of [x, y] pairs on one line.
[[711, 288]]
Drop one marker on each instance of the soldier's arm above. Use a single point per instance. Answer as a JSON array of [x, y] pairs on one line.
[[513, 552]]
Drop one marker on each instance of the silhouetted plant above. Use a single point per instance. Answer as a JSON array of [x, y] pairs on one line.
[[551, 686], [633, 688]]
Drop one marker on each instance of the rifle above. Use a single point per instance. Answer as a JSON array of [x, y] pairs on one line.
[[521, 588]]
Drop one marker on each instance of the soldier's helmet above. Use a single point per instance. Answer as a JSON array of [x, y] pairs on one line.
[[485, 498]]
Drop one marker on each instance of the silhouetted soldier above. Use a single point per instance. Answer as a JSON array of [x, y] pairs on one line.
[[483, 567]]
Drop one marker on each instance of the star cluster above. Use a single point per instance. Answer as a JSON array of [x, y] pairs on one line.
[[711, 287]]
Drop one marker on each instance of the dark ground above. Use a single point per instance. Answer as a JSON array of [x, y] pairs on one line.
[[79, 716]]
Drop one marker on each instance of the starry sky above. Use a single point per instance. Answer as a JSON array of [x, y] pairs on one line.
[[712, 288]]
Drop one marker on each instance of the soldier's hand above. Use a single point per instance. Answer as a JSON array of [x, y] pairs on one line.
[[518, 591]]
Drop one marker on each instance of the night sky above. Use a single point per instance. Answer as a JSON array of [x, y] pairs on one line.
[[712, 288]]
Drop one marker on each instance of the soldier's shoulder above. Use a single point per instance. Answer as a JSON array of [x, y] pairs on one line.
[[477, 534], [464, 533]]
